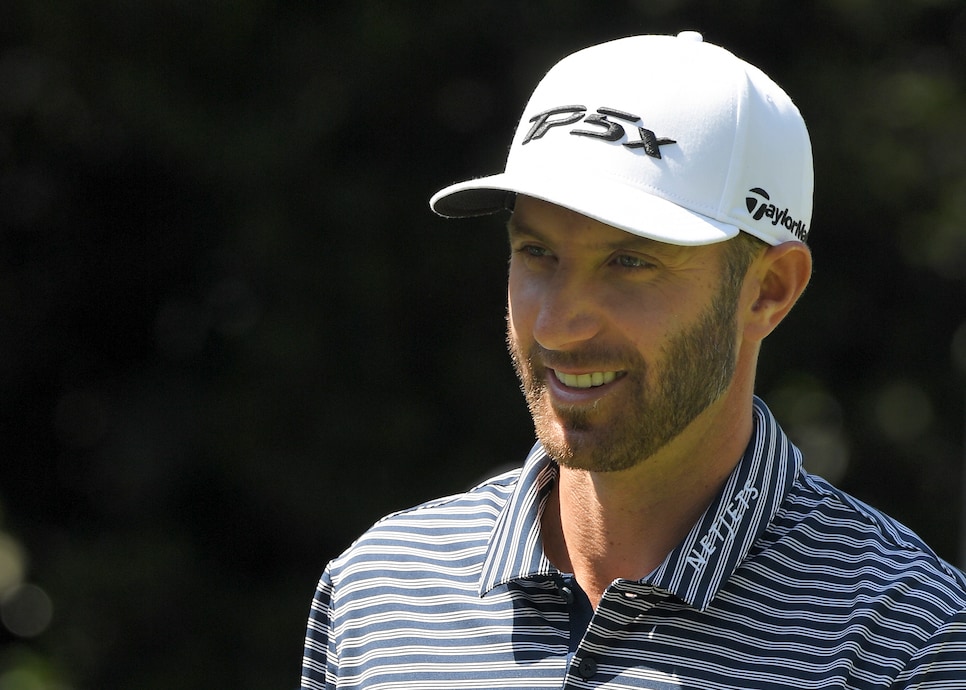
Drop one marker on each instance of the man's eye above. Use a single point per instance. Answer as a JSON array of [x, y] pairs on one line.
[[533, 250], [630, 261]]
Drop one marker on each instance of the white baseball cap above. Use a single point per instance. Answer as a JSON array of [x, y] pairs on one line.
[[666, 137]]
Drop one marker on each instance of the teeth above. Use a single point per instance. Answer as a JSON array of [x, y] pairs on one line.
[[598, 378]]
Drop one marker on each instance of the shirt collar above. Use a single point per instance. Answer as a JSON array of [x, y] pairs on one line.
[[694, 571], [515, 549]]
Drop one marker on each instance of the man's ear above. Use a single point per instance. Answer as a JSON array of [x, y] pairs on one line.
[[777, 278]]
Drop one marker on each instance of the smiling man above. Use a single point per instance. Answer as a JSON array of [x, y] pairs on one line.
[[637, 375], [662, 533]]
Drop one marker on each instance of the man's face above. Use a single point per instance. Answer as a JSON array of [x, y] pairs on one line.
[[619, 342]]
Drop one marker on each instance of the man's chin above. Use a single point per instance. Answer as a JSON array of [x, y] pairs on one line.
[[584, 450], [598, 463]]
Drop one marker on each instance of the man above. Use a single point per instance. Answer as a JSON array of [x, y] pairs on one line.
[[662, 532]]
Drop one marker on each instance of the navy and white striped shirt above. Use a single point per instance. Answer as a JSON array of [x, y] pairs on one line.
[[785, 582]]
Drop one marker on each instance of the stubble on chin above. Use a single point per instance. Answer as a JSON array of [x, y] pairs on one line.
[[697, 367], [577, 437]]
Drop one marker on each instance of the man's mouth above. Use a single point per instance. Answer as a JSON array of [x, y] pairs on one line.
[[597, 378]]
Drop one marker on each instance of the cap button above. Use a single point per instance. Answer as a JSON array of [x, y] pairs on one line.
[[691, 36]]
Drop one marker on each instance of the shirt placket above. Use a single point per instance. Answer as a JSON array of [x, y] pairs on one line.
[[596, 661]]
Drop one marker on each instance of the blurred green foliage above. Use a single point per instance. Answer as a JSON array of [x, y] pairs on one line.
[[232, 334]]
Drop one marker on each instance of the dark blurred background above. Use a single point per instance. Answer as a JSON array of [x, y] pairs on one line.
[[232, 334]]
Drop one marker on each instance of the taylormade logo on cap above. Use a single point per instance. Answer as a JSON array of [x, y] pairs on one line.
[[682, 152], [758, 210]]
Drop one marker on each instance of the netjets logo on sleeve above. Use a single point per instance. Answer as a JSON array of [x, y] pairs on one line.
[[760, 206]]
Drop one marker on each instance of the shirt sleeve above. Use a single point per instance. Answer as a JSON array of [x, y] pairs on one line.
[[317, 661], [941, 663]]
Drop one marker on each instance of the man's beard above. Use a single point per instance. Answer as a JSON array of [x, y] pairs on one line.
[[697, 367]]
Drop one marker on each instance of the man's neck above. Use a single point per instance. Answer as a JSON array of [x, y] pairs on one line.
[[606, 526]]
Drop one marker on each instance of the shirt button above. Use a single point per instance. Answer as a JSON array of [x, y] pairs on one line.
[[567, 594], [587, 667]]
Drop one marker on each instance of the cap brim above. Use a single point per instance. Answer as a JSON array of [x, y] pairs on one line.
[[608, 201]]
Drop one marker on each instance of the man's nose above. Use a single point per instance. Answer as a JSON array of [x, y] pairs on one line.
[[569, 312]]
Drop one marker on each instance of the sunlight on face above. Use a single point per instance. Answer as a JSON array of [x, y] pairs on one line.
[[660, 392]]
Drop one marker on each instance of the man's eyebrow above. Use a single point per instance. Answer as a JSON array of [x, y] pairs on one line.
[[514, 227], [628, 241]]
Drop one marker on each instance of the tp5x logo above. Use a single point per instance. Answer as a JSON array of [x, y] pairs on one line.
[[604, 118]]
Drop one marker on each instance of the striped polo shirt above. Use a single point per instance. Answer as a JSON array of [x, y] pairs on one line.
[[784, 582]]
